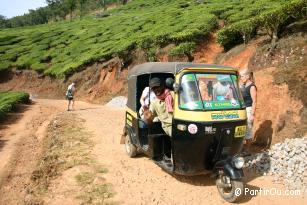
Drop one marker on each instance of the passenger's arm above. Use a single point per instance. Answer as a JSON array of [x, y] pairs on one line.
[[142, 100], [143, 97], [148, 115]]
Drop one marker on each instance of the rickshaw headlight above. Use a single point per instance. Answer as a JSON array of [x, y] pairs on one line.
[[181, 127], [238, 162]]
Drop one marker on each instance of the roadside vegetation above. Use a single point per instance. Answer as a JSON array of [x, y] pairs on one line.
[[57, 10], [63, 48], [273, 22], [9, 100], [68, 146]]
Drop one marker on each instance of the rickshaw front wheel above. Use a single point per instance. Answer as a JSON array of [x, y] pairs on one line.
[[231, 191], [131, 149]]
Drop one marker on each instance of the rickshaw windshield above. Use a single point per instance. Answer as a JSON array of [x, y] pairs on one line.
[[202, 91]]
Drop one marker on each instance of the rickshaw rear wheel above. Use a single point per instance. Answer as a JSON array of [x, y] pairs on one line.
[[131, 149], [234, 192]]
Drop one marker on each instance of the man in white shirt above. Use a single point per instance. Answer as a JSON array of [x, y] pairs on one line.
[[70, 96]]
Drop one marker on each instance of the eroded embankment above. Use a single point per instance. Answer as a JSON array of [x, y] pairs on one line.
[[97, 83]]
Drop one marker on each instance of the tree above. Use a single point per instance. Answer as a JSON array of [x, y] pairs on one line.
[[71, 5], [103, 4], [82, 3], [58, 9], [3, 22]]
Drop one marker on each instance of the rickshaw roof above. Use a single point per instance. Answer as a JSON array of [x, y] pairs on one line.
[[170, 67]]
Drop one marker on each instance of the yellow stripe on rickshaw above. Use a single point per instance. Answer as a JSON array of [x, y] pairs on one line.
[[131, 113], [210, 116]]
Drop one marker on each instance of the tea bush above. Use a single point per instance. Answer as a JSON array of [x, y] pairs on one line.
[[273, 21], [59, 49], [183, 49], [8, 100]]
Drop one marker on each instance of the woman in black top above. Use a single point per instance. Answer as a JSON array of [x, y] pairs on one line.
[[249, 92]]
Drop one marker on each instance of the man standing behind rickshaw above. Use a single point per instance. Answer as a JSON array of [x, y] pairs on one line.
[[249, 92], [162, 106]]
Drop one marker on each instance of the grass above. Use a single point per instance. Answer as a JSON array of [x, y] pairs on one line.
[[63, 48], [68, 145], [97, 194], [9, 100], [85, 178], [93, 192]]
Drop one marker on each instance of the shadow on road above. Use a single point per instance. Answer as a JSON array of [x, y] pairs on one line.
[[247, 194], [263, 135], [90, 108], [207, 180], [201, 180], [14, 116]]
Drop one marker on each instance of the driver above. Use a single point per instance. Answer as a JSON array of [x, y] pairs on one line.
[[162, 106], [222, 91]]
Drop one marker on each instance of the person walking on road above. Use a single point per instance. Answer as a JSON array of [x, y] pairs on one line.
[[70, 96]]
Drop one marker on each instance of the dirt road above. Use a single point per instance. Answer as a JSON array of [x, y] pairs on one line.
[[135, 181]]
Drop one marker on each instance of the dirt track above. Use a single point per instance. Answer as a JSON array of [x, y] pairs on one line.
[[135, 181]]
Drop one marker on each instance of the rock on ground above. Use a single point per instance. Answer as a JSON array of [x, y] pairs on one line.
[[119, 101], [286, 162]]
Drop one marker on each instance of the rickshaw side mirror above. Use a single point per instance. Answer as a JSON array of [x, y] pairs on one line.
[[176, 87]]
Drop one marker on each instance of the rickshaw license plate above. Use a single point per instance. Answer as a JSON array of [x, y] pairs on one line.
[[240, 131]]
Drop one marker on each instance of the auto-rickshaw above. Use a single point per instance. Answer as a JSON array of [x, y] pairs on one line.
[[207, 134]]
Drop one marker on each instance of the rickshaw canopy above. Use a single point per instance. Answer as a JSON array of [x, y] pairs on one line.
[[169, 67]]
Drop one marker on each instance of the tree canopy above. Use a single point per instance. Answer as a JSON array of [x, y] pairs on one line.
[[55, 10]]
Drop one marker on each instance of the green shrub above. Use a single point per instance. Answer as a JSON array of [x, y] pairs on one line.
[[8, 101], [4, 66], [151, 54], [272, 20], [39, 67], [240, 32], [67, 47], [182, 49]]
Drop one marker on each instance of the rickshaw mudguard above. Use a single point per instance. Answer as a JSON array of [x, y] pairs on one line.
[[228, 169], [131, 134]]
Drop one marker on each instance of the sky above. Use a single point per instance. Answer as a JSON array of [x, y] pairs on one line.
[[11, 8]]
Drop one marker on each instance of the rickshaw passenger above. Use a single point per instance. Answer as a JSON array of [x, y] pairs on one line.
[[147, 97], [162, 106], [222, 91], [203, 89]]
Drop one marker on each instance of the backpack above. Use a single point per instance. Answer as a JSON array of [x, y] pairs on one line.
[[69, 94]]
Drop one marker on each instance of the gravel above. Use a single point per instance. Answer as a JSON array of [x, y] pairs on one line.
[[119, 101], [286, 162]]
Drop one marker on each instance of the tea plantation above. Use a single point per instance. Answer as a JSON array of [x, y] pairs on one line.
[[8, 100], [62, 48]]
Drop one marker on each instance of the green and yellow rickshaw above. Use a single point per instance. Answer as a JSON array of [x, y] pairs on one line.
[[208, 126]]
